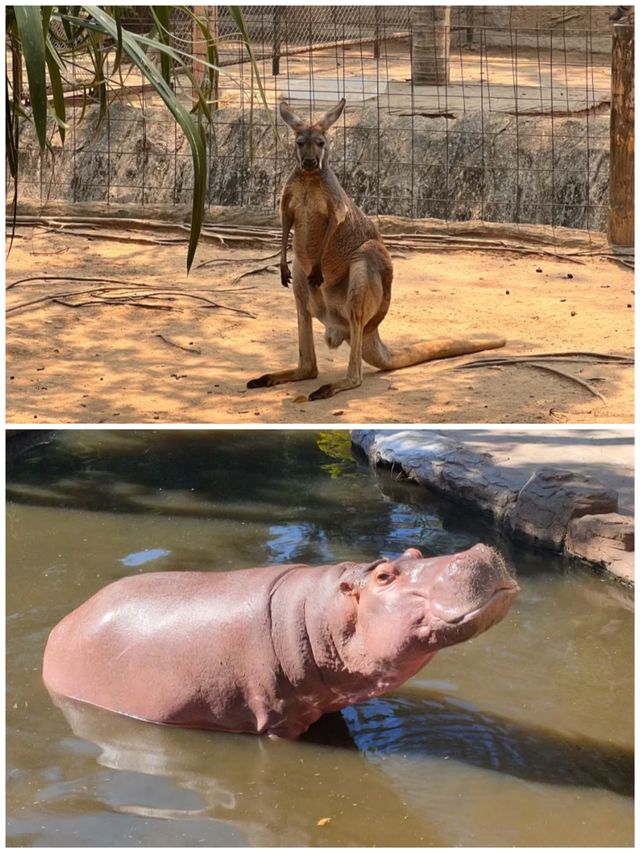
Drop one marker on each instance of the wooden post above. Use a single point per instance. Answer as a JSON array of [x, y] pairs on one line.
[[621, 171], [430, 33], [199, 50]]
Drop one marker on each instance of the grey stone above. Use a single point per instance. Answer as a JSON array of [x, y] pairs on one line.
[[607, 540], [551, 498], [444, 465], [477, 165]]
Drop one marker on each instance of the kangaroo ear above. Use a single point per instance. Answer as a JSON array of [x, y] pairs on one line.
[[332, 116], [294, 122]]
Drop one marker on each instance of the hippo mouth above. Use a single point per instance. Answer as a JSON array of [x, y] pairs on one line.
[[497, 596], [435, 626]]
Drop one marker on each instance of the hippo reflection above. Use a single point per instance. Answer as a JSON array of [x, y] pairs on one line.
[[270, 650]]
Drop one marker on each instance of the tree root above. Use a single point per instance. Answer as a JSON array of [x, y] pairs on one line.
[[135, 294], [537, 361]]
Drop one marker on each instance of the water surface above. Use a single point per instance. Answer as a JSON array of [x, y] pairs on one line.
[[522, 736]]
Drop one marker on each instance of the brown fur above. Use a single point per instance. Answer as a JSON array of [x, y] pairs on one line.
[[342, 271]]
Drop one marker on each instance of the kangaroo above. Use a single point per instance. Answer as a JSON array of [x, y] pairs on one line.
[[342, 271]]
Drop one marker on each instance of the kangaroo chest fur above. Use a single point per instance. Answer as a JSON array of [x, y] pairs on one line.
[[311, 204]]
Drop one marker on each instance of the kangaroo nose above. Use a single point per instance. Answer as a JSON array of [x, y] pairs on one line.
[[309, 162]]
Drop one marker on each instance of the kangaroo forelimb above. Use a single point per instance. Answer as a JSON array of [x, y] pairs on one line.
[[285, 272]]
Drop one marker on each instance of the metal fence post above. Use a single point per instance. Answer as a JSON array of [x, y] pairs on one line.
[[621, 169]]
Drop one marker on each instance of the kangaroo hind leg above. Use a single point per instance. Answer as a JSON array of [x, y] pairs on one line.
[[361, 302], [307, 367]]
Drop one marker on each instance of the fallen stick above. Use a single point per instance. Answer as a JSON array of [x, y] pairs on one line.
[[255, 271], [216, 261], [179, 346], [124, 299], [559, 356], [89, 302], [566, 375]]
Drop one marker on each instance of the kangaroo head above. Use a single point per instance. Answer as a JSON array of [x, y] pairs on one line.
[[312, 147]]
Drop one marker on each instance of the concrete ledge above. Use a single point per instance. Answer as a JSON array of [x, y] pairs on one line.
[[554, 508]]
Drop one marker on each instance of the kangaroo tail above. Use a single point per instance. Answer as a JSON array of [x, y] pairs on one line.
[[378, 354]]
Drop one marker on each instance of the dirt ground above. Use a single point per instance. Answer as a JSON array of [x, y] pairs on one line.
[[188, 362]]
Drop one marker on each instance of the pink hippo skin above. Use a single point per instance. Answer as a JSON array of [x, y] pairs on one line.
[[270, 649]]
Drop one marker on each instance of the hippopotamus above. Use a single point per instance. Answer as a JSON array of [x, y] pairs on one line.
[[269, 650]]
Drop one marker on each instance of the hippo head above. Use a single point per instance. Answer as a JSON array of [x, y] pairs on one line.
[[408, 608]]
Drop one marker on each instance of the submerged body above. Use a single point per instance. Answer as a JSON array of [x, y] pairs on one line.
[[270, 649]]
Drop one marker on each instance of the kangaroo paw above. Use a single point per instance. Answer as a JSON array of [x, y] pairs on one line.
[[315, 278], [285, 276]]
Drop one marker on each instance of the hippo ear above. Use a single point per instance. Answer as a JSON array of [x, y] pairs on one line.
[[413, 552], [349, 588]]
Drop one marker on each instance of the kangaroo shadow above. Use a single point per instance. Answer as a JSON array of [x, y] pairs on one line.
[[428, 725]]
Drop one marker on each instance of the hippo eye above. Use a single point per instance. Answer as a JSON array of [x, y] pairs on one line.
[[383, 577]]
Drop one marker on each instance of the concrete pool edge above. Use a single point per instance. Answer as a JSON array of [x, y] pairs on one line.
[[557, 508]]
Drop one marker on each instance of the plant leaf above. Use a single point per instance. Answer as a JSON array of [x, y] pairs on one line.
[[29, 22], [162, 17], [53, 64], [236, 14], [193, 132]]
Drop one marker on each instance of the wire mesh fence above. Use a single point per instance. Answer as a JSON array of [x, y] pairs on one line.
[[510, 124]]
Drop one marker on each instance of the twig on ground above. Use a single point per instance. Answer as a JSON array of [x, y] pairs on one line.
[[74, 278], [179, 346], [255, 271], [566, 375], [216, 261], [140, 292], [593, 357]]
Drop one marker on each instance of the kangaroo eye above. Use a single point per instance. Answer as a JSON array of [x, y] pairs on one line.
[[299, 142], [320, 142]]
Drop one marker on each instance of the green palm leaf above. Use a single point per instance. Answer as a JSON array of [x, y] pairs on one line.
[[29, 23], [193, 132]]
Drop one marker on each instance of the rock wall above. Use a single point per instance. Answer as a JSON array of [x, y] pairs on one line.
[[490, 166], [557, 509]]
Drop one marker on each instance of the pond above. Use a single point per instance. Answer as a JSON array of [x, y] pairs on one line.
[[520, 737]]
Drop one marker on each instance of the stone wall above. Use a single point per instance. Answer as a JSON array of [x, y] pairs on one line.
[[556, 509], [493, 166]]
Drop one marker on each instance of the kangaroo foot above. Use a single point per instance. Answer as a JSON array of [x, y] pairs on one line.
[[325, 391], [261, 381], [269, 379]]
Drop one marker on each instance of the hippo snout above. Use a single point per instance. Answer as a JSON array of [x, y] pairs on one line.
[[470, 583]]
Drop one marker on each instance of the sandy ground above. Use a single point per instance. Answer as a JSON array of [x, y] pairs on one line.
[[127, 364]]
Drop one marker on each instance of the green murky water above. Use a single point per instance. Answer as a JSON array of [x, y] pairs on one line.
[[521, 737]]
